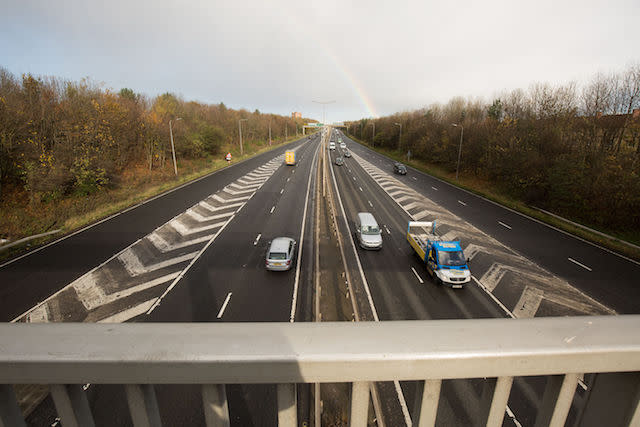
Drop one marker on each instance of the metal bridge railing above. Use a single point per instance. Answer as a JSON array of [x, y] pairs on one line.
[[140, 355]]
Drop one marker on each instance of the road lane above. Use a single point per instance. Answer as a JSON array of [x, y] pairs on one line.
[[612, 280], [36, 276]]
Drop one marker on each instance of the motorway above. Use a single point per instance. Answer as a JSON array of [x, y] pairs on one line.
[[196, 254]]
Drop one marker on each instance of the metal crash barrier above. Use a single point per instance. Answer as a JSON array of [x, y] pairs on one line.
[[141, 355]]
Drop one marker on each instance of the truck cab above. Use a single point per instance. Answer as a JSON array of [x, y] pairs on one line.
[[447, 264]]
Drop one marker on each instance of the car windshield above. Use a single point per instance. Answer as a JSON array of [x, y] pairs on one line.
[[454, 258], [370, 230], [277, 255]]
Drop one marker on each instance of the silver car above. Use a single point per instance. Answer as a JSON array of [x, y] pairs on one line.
[[367, 231], [280, 254]]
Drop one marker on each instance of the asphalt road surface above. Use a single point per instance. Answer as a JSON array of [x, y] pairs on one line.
[[196, 254]]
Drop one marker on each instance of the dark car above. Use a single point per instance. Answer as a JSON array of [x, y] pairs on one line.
[[399, 168]]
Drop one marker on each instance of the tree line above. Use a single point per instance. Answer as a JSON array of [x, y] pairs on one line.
[[60, 137], [570, 149]]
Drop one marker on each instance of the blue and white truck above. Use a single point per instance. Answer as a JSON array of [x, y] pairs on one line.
[[444, 260]]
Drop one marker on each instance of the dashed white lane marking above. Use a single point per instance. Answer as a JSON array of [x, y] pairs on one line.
[[224, 306], [288, 179], [282, 191], [257, 238], [504, 225], [580, 264], [417, 275], [272, 209], [360, 188], [462, 203], [414, 178], [370, 204], [434, 188], [387, 229], [354, 178]]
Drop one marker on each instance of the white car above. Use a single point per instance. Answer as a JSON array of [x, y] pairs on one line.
[[280, 254], [343, 145], [332, 145]]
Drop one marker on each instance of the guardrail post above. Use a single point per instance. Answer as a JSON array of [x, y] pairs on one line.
[[359, 404], [429, 405], [143, 405], [495, 396], [72, 405], [10, 414], [556, 400], [287, 405], [216, 407]]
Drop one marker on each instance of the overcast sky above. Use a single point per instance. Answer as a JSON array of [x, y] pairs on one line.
[[372, 58]]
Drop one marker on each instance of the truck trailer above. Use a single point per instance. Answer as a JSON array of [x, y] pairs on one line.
[[444, 260]]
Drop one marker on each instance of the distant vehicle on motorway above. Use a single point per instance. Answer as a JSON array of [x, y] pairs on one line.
[[290, 157], [444, 260], [280, 254], [399, 168], [347, 153], [332, 145], [343, 145], [367, 231], [339, 161]]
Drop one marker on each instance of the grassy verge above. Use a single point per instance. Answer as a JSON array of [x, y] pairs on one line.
[[489, 191], [21, 218]]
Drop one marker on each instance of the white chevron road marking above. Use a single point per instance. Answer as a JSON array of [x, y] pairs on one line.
[[237, 199], [92, 295], [185, 230], [528, 304], [163, 246], [135, 267], [208, 206]]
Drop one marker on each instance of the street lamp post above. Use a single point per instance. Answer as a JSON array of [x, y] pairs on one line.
[[240, 133], [373, 141], [323, 105], [173, 150], [400, 134], [460, 147]]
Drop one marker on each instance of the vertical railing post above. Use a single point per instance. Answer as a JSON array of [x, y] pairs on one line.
[[72, 405], [10, 414], [287, 405], [143, 405], [556, 400], [494, 400], [216, 407], [359, 404], [429, 405]]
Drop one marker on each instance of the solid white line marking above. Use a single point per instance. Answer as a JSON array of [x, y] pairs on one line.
[[582, 384], [226, 301], [360, 188], [257, 238], [387, 229], [493, 297], [370, 203], [434, 188], [273, 209], [462, 203], [417, 275], [580, 264], [282, 191]]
